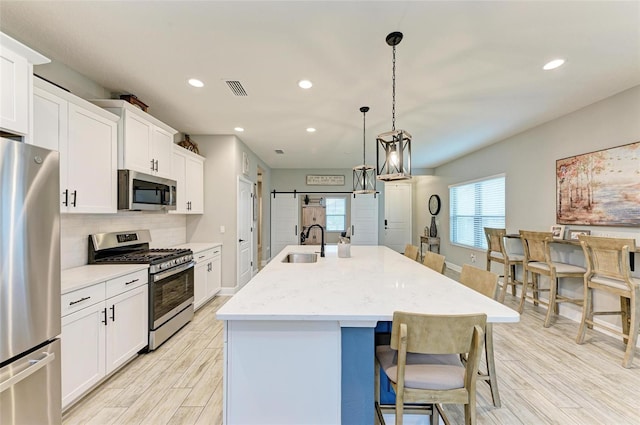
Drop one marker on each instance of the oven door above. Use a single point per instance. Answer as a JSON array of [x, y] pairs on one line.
[[171, 292]]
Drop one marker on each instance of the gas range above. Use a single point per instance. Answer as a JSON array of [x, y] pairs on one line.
[[132, 247], [171, 274]]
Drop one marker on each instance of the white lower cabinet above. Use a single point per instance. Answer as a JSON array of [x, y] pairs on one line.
[[207, 275], [103, 327]]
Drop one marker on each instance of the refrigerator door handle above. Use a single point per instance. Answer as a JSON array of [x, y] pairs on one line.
[[35, 365]]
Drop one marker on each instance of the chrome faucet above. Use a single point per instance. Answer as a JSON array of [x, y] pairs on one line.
[[322, 241]]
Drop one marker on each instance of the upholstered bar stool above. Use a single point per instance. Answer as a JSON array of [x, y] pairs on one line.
[[608, 270], [537, 261], [434, 261], [424, 367], [486, 283], [497, 252], [411, 251]]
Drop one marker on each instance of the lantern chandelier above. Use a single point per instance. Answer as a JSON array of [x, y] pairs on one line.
[[393, 147], [364, 176]]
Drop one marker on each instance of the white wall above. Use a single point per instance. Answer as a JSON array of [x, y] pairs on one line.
[[528, 160], [222, 167], [166, 230]]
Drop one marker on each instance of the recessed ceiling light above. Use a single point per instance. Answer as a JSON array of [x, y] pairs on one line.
[[556, 63], [239, 129], [195, 82], [305, 84], [311, 130]]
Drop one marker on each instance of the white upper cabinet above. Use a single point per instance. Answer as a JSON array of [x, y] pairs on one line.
[[188, 172], [16, 84], [144, 142], [86, 137]]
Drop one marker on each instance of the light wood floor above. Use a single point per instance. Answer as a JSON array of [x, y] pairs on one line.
[[544, 378]]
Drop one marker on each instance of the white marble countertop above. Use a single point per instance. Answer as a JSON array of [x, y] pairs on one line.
[[357, 291], [198, 246], [83, 276]]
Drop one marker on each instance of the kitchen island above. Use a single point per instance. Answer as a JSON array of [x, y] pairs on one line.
[[299, 338]]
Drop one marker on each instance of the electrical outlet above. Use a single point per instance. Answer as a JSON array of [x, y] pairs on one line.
[[473, 257]]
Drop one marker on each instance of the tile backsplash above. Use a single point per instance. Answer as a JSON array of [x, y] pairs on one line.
[[166, 230]]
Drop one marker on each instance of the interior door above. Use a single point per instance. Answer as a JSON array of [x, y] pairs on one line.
[[397, 215], [245, 260], [284, 222], [364, 219]]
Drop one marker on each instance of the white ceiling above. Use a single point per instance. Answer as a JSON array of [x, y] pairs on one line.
[[468, 73]]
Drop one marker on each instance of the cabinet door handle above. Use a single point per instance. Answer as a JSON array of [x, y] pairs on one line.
[[66, 198], [104, 312], [156, 165], [296, 231], [78, 301], [152, 165], [113, 312], [353, 230], [75, 197], [209, 267], [131, 281]]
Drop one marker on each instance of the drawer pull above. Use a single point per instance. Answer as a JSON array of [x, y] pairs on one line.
[[215, 252], [79, 301], [201, 257], [131, 281]]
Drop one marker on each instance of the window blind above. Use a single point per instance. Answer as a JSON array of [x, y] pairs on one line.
[[474, 206]]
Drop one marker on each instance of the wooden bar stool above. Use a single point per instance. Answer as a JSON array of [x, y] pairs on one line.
[[424, 367], [537, 261], [497, 252], [486, 283], [411, 251], [434, 261], [608, 270]]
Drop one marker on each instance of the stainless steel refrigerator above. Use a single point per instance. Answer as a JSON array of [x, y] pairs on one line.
[[30, 390]]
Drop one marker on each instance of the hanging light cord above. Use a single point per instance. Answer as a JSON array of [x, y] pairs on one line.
[[364, 131], [393, 93]]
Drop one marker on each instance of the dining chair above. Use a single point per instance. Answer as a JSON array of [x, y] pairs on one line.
[[537, 261], [486, 283], [608, 270], [424, 367], [411, 251], [497, 252], [434, 261]]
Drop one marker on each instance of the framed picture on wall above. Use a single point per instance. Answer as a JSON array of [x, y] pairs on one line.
[[573, 234], [599, 188], [558, 231]]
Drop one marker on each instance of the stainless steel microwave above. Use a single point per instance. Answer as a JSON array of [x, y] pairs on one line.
[[139, 191]]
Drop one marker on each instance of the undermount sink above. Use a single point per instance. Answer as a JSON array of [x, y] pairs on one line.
[[299, 257]]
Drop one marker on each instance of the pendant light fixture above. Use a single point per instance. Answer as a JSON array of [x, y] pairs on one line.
[[364, 176], [393, 147]]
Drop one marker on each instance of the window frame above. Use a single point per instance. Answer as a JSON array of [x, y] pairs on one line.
[[478, 218], [327, 215]]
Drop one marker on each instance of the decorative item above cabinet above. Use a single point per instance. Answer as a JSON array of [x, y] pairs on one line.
[[145, 144]]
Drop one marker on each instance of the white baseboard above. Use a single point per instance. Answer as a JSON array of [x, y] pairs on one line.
[[228, 291]]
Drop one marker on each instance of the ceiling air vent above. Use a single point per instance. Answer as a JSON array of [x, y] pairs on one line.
[[279, 151], [236, 87]]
